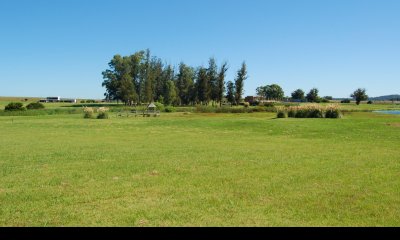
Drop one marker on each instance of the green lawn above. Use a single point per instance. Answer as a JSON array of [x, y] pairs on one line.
[[200, 170]]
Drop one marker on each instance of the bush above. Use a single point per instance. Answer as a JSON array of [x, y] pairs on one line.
[[160, 106], [35, 105], [15, 106], [291, 113], [246, 104], [281, 114], [90, 101], [102, 115], [259, 109], [269, 104], [88, 112], [345, 101], [315, 113], [301, 113], [370, 102], [333, 113], [169, 109]]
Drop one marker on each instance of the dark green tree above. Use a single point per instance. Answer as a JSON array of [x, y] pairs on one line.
[[230, 94], [202, 86], [274, 92], [239, 82], [212, 74], [170, 93], [312, 96], [298, 95], [221, 82], [359, 95], [184, 81]]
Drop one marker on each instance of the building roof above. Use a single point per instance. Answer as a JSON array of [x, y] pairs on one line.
[[152, 105]]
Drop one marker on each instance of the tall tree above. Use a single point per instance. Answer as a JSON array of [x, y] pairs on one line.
[[239, 82], [312, 96], [298, 95], [111, 84], [274, 92], [145, 83], [230, 95], [136, 70], [170, 93], [212, 73], [221, 82], [127, 90], [184, 81], [167, 77], [202, 86], [359, 95]]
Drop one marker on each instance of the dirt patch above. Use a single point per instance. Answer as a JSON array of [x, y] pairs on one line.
[[393, 124]]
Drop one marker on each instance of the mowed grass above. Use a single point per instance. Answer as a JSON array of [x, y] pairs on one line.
[[200, 170]]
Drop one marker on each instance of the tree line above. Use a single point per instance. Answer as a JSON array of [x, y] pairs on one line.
[[275, 92], [142, 78]]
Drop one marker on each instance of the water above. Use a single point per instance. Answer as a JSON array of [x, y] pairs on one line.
[[389, 112]]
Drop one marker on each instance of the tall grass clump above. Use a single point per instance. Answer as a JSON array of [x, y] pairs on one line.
[[102, 113], [280, 112], [88, 112], [333, 111], [313, 111]]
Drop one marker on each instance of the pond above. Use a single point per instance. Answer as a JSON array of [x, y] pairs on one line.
[[389, 111]]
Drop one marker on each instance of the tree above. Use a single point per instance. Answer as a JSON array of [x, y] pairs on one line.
[[298, 95], [170, 93], [221, 82], [261, 91], [274, 92], [239, 82], [184, 81], [127, 91], [230, 95], [312, 96], [359, 95], [212, 74], [202, 86]]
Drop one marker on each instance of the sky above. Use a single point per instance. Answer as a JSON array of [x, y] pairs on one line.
[[60, 47]]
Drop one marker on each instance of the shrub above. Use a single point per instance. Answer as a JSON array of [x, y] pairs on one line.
[[315, 113], [169, 109], [88, 112], [281, 114], [246, 104], [345, 101], [102, 115], [35, 105], [301, 113], [15, 106], [259, 109], [291, 113], [332, 113], [370, 102], [269, 104], [159, 106]]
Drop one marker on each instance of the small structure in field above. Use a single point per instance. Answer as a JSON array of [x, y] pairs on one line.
[[151, 110]]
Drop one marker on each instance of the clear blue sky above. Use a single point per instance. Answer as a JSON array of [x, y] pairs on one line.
[[60, 47]]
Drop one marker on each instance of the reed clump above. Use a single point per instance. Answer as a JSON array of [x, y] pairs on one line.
[[311, 111]]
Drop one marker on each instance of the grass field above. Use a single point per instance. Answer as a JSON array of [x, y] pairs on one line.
[[200, 170]]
